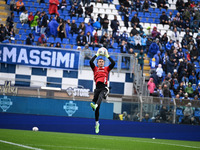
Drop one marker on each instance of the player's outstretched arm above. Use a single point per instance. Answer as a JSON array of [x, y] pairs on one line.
[[111, 66], [92, 65]]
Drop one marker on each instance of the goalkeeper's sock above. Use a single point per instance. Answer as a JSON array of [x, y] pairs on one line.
[[97, 127]]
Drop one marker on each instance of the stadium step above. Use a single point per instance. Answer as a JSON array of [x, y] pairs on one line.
[[4, 11]]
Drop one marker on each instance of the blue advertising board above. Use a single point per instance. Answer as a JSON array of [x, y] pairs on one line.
[[39, 56], [52, 107]]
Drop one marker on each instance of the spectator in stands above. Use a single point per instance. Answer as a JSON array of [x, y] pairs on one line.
[[30, 39], [135, 21], [20, 6], [72, 11], [79, 11], [155, 34], [196, 14], [91, 20], [3, 33], [81, 27], [194, 54], [145, 6], [193, 78], [87, 52], [104, 40], [11, 35], [137, 39], [51, 45], [131, 41], [138, 5], [153, 49], [126, 17], [96, 40], [188, 111], [185, 80], [134, 31], [158, 58], [86, 2], [61, 30], [162, 4], [89, 28], [10, 20], [58, 45], [24, 17], [105, 23], [164, 62], [170, 65], [81, 40], [30, 18], [175, 35], [44, 22], [12, 5], [181, 25], [53, 7], [140, 57], [177, 45], [114, 25], [151, 86], [42, 40], [148, 43], [124, 36], [166, 91], [169, 45], [74, 29], [163, 18], [34, 23], [89, 39], [195, 26], [143, 41], [111, 41], [88, 10], [146, 118], [164, 39], [63, 5], [53, 25], [179, 3]]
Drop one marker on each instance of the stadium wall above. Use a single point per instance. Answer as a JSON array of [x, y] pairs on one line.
[[19, 63], [107, 127], [52, 107]]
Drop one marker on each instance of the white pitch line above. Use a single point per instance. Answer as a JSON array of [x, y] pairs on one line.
[[20, 145], [188, 146]]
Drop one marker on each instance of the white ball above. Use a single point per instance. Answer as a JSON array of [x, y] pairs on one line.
[[102, 51], [153, 138], [35, 129]]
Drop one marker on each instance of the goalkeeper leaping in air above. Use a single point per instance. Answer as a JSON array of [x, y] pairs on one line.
[[101, 77]]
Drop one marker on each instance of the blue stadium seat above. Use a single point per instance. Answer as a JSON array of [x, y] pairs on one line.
[[50, 40], [141, 14], [150, 20], [81, 19], [42, 5], [23, 37], [86, 62], [179, 112], [65, 41], [147, 15], [172, 93], [58, 40], [196, 64], [16, 19], [151, 9], [117, 7], [36, 5], [176, 86], [143, 20], [28, 31], [17, 37], [19, 25], [19, 42], [68, 46], [157, 10], [21, 31], [36, 38], [197, 113]]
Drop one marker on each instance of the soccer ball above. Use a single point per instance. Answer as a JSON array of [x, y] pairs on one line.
[[35, 129], [102, 51]]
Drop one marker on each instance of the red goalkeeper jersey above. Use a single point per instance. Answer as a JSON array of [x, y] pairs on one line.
[[101, 74]]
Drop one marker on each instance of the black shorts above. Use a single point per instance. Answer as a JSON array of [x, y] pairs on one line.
[[100, 93]]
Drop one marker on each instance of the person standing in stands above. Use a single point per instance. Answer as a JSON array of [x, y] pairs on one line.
[[114, 25], [101, 79], [53, 7], [20, 6]]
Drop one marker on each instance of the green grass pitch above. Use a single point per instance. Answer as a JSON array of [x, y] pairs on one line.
[[65, 141]]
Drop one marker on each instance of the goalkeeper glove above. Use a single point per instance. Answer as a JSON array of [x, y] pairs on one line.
[[106, 54], [97, 54]]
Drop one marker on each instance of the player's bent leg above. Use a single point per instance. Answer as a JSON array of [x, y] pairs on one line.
[[94, 106], [97, 128]]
